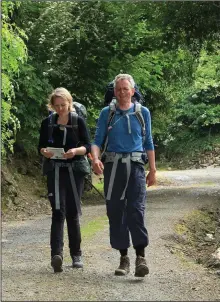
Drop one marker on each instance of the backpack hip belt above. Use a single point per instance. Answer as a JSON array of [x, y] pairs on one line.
[[134, 156], [125, 158]]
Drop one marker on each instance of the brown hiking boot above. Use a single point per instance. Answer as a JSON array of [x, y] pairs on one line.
[[141, 268], [124, 267]]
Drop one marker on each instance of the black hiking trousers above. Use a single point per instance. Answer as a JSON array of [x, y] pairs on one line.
[[68, 211]]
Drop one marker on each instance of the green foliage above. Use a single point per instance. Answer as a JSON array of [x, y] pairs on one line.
[[171, 49], [197, 123], [200, 112], [208, 72], [14, 53], [189, 23], [31, 100]]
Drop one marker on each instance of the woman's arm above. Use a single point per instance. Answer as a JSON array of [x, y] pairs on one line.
[[84, 138]]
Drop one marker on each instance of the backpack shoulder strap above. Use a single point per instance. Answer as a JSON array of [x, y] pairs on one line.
[[112, 110], [74, 120], [74, 124], [51, 123], [139, 115]]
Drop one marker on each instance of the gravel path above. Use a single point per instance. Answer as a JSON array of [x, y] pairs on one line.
[[27, 275]]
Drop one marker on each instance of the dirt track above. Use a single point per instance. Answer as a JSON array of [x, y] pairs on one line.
[[27, 275]]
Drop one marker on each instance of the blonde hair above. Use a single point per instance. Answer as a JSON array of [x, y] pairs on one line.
[[64, 94], [124, 76]]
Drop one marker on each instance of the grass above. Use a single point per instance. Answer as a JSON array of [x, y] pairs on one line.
[[99, 186], [89, 230], [93, 197], [94, 226]]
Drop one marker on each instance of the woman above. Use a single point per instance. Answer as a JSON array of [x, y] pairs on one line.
[[64, 185]]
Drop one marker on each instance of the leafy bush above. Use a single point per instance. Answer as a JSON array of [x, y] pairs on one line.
[[14, 53], [196, 123]]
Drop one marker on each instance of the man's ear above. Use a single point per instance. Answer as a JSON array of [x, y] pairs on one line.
[[133, 91]]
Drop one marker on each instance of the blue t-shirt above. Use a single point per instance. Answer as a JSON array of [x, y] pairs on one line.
[[125, 131]]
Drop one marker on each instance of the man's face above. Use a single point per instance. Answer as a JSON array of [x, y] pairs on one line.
[[123, 91]]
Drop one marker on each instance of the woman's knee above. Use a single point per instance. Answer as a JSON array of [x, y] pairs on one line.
[[58, 215]]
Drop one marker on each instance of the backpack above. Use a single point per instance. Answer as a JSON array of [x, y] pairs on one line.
[[137, 112], [80, 110], [109, 94]]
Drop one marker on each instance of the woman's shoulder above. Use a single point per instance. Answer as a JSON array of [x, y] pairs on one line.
[[80, 120], [45, 121]]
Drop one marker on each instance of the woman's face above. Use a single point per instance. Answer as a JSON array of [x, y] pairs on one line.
[[61, 106]]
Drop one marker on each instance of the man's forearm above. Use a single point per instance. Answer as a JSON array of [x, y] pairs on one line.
[[151, 160], [95, 150]]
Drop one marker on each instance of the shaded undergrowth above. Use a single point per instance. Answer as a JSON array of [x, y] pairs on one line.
[[197, 235]]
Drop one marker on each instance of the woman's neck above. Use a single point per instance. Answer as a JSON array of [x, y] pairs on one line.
[[63, 119]]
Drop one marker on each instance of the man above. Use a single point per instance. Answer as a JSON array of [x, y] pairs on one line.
[[124, 173]]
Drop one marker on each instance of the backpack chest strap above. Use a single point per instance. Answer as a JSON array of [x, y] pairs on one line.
[[74, 126]]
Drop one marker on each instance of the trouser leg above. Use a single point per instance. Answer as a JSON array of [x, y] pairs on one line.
[[58, 216], [116, 208], [72, 217], [136, 200]]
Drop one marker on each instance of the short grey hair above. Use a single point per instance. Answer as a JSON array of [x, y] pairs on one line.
[[124, 76]]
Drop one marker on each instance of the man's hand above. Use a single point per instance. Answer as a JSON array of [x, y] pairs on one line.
[[46, 153], [97, 166], [70, 153], [151, 178]]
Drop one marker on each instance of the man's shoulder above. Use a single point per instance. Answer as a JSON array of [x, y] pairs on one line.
[[105, 110], [144, 109]]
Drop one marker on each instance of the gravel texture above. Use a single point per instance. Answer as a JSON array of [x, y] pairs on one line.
[[27, 274]]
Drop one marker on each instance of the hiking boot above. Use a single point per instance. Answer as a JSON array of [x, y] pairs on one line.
[[124, 267], [77, 261], [141, 268], [56, 263]]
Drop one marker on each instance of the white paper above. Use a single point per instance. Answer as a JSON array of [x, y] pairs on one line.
[[58, 153]]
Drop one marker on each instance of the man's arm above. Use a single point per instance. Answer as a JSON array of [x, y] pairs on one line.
[[97, 165], [151, 176]]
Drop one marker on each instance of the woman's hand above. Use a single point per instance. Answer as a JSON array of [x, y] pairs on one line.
[[46, 153], [70, 153]]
